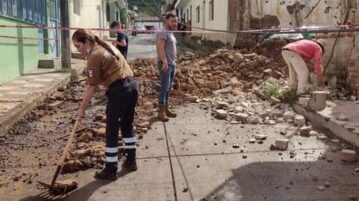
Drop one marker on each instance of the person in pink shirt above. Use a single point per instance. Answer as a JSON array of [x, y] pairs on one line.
[[296, 55]]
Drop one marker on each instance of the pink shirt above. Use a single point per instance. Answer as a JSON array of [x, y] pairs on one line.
[[308, 50]]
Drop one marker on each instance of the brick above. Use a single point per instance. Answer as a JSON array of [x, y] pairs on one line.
[[221, 114], [282, 144], [348, 155]]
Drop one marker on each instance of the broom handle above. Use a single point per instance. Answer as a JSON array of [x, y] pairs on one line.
[[61, 161]]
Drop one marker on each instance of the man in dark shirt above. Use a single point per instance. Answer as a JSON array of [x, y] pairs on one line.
[[122, 40]]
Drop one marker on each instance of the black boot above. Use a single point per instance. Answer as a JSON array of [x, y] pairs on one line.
[[130, 162], [108, 173]]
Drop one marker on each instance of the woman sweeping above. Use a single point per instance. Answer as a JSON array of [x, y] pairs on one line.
[[107, 67]]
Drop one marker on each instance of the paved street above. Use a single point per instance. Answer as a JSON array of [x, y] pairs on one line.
[[142, 45], [204, 166]]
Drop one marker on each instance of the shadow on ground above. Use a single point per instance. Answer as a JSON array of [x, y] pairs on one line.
[[83, 193], [290, 181]]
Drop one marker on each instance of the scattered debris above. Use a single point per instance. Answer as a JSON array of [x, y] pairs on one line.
[[348, 155], [299, 120], [280, 144], [321, 188], [342, 117]]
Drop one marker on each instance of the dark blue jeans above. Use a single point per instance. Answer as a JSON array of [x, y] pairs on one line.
[[167, 79]]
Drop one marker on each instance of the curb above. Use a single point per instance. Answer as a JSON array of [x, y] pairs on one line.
[[28, 105], [347, 131]]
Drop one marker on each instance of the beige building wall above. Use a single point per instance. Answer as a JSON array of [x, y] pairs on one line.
[[92, 14], [283, 14], [202, 21]]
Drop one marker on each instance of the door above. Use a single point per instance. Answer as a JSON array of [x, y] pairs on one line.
[[54, 34]]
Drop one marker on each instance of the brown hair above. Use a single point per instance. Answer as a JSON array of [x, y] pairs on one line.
[[81, 35], [114, 24], [169, 15]]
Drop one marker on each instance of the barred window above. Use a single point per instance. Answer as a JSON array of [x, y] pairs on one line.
[[29, 11]]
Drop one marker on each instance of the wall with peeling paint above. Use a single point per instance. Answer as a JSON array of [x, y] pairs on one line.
[[261, 14], [187, 10]]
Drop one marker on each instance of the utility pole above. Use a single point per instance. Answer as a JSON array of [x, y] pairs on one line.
[[65, 35]]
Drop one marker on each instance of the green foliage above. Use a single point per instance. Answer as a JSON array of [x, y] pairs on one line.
[[270, 90], [274, 90]]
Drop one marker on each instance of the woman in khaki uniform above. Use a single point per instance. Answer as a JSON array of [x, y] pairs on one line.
[[107, 67]]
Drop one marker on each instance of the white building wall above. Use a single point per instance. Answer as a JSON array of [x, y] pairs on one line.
[[220, 21], [92, 15]]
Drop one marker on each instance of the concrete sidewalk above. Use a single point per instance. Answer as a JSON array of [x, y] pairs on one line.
[[198, 163], [22, 94], [327, 119]]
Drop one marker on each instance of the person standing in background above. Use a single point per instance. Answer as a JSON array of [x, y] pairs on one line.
[[166, 63], [122, 40]]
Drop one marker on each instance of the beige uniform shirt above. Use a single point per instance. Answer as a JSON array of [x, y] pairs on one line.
[[103, 68]]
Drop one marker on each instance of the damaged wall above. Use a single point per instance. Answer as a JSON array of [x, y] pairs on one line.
[[258, 14]]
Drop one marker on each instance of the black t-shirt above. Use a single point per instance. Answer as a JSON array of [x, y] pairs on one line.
[[121, 36]]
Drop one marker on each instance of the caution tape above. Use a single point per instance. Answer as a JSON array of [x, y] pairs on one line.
[[199, 30], [312, 29]]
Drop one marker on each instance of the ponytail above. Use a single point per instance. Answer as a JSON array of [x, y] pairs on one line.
[[81, 35], [106, 46]]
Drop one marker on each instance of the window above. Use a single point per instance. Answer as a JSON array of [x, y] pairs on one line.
[[108, 12], [190, 11], [24, 10], [211, 10], [198, 11], [77, 7], [187, 15]]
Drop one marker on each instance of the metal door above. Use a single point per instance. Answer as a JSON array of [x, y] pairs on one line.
[[54, 18]]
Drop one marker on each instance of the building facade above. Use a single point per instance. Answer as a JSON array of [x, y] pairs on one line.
[[95, 14], [21, 48], [206, 15]]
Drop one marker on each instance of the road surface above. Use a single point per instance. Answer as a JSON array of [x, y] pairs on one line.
[[142, 45], [192, 158]]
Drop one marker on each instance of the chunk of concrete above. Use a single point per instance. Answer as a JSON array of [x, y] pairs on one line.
[[348, 155], [253, 120], [299, 120], [303, 101], [261, 137], [221, 114], [238, 109], [222, 105], [243, 117], [276, 113], [313, 133], [342, 117], [282, 144], [304, 130], [288, 115]]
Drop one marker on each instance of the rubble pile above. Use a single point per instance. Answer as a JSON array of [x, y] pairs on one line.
[[223, 68], [201, 76]]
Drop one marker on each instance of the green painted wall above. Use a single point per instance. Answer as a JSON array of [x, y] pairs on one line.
[[17, 56]]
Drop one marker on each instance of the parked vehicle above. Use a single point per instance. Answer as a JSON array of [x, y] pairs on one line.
[[138, 30]]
